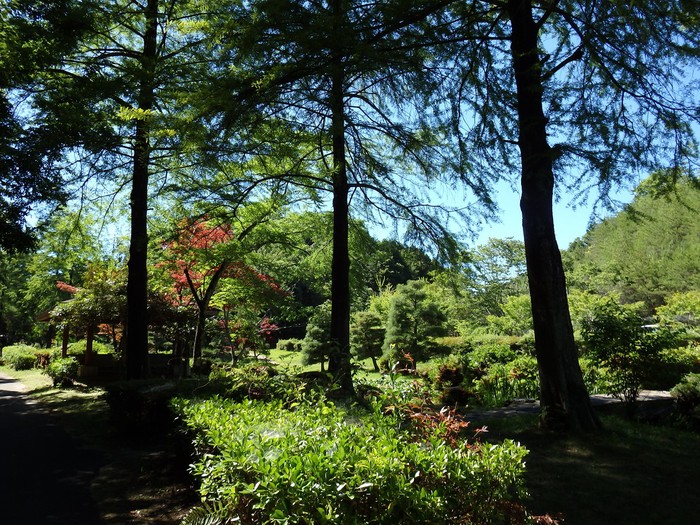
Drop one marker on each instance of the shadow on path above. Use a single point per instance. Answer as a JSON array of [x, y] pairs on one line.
[[45, 474]]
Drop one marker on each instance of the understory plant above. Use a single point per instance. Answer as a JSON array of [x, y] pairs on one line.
[[628, 352], [687, 393], [20, 357], [313, 463], [63, 371], [504, 382]]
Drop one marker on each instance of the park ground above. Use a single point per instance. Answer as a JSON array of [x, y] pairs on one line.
[[64, 463]]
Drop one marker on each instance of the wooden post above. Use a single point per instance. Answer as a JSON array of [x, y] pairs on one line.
[[64, 342]]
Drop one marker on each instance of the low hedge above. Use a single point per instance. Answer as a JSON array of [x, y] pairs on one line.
[[20, 357], [267, 462]]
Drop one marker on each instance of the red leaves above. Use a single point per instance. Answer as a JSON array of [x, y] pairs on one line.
[[65, 287], [201, 254]]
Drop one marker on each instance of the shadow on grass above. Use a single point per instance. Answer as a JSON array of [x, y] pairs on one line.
[[630, 473]]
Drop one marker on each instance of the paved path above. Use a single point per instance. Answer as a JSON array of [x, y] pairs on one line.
[[45, 474], [529, 406]]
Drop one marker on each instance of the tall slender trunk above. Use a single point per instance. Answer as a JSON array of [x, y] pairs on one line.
[[203, 306], [339, 356], [137, 284], [564, 400]]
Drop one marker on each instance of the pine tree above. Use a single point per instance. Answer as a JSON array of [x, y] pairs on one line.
[[348, 80], [367, 337], [604, 79], [413, 323]]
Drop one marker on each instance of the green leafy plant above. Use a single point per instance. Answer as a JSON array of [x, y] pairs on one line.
[[20, 357], [413, 323], [616, 339], [687, 393], [62, 371], [80, 347], [316, 344], [504, 382], [318, 463], [366, 337]]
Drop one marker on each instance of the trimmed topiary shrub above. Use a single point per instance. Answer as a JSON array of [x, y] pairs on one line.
[[289, 345], [20, 357]]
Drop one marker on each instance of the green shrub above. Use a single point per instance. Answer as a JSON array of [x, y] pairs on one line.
[[617, 340], [80, 347], [20, 357], [674, 363], [367, 337], [504, 382], [255, 381], [486, 354], [413, 324], [290, 345], [316, 346], [687, 393], [62, 371], [320, 464]]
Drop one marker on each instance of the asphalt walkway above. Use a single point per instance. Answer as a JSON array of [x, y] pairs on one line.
[[45, 474]]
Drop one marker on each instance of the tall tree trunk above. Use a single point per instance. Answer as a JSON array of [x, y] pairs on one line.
[[137, 284], [564, 400], [203, 306], [339, 357]]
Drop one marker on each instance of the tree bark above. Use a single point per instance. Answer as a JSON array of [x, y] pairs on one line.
[[339, 356], [137, 284], [564, 400], [203, 306]]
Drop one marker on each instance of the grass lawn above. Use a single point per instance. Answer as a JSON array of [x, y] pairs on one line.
[[32, 379], [628, 474]]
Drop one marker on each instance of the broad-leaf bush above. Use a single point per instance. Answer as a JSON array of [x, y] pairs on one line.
[[318, 463], [62, 371], [80, 347], [20, 357], [628, 352], [687, 393]]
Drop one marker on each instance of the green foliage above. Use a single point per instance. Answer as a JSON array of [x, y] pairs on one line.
[[62, 371], [682, 309], [318, 463], [687, 393], [367, 337], [499, 271], [488, 351], [616, 339], [290, 345], [413, 323], [315, 346], [100, 300], [504, 382], [255, 381], [516, 318], [674, 363], [80, 347], [20, 357], [646, 253]]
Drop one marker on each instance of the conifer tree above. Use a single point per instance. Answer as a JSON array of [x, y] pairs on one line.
[[348, 80], [114, 105], [572, 96]]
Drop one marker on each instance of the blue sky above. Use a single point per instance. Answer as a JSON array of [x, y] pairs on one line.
[[569, 223]]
